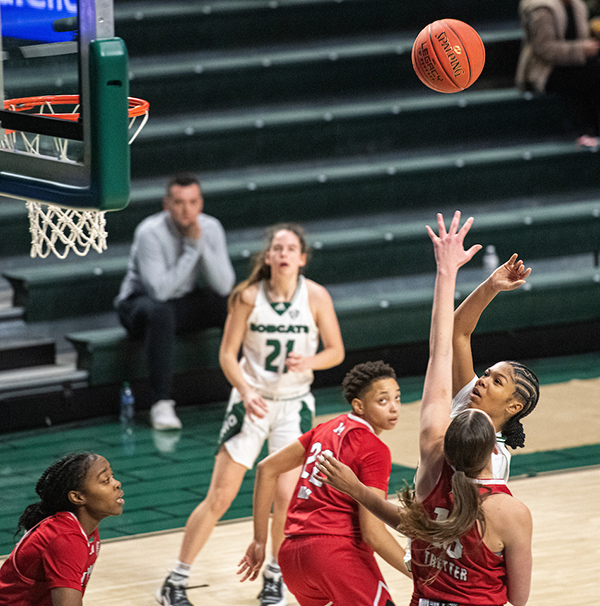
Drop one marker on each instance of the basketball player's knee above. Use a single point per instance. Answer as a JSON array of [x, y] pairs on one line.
[[219, 500]]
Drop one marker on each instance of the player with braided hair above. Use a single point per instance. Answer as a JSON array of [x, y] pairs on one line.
[[507, 391], [471, 539], [327, 555], [53, 561]]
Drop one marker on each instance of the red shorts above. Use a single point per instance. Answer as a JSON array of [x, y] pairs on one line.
[[330, 569]]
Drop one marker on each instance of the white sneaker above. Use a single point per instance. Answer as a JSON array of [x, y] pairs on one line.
[[166, 441], [162, 415], [273, 591]]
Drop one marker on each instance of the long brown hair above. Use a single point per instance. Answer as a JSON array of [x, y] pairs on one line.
[[262, 271], [468, 445]]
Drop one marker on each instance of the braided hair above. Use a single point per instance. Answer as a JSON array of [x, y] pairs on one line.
[[54, 486], [362, 376], [527, 391]]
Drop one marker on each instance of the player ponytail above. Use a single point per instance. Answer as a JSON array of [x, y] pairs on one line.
[[262, 271], [54, 487], [468, 446]]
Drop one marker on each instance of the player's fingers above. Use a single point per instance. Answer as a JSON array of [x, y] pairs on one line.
[[473, 251], [464, 230], [454, 223], [432, 235], [441, 226], [513, 259]]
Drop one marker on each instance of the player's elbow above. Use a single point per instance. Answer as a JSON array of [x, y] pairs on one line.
[[371, 536], [339, 355], [518, 598]]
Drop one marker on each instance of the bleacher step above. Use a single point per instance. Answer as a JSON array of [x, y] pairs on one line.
[[26, 353], [377, 64], [396, 313], [391, 246], [274, 134]]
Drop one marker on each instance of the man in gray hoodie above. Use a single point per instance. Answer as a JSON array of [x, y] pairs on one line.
[[178, 277]]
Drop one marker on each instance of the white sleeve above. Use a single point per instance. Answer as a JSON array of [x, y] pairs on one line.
[[460, 401]]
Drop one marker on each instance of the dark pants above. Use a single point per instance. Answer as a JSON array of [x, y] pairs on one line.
[[580, 84], [159, 321]]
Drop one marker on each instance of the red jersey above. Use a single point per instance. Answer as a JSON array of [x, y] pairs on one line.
[[317, 508], [469, 572], [55, 553]]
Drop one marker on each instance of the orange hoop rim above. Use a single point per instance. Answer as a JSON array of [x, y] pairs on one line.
[[136, 107]]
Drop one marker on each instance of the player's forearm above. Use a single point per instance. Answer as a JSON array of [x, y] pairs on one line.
[[327, 358], [233, 373], [391, 551], [264, 493], [381, 508], [467, 314]]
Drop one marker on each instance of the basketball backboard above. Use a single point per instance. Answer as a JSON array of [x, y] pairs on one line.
[[63, 47]]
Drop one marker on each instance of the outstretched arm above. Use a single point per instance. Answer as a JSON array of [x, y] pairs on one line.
[[340, 476], [374, 512], [509, 276], [267, 472], [437, 391]]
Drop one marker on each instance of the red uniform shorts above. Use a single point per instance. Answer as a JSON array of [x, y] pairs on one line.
[[330, 569]]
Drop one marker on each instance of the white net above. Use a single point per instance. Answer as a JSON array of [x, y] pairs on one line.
[[56, 229], [61, 230]]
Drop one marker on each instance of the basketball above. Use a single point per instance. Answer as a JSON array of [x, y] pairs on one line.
[[448, 55]]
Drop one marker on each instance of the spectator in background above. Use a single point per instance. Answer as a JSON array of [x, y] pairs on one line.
[[178, 277], [559, 55]]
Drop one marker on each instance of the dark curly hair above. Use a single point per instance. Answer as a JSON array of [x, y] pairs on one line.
[[54, 486], [362, 376]]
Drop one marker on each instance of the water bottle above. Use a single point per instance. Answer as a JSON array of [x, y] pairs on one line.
[[490, 259], [127, 405]]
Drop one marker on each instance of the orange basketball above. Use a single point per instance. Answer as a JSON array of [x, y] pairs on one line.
[[448, 55]]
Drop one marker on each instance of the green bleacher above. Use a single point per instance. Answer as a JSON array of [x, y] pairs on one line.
[[309, 111], [368, 321], [343, 255]]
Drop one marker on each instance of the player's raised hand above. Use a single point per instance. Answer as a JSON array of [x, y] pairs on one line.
[[510, 275], [448, 245]]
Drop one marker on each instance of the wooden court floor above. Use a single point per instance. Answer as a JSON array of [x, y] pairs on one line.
[[566, 550], [565, 508]]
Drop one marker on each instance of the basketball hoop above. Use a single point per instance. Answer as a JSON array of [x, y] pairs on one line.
[[55, 228]]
